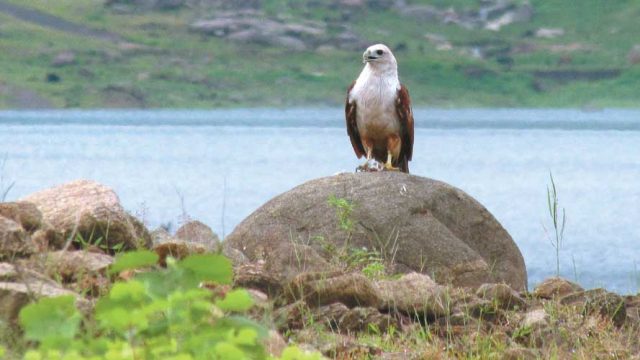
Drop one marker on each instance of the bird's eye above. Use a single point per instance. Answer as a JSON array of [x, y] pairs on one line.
[[379, 52]]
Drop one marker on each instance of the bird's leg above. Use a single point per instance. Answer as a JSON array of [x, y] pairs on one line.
[[369, 154], [393, 146], [389, 164], [369, 164], [365, 164]]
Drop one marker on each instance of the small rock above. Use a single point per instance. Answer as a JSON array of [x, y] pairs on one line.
[[332, 344], [260, 299], [330, 315], [344, 346], [579, 298], [274, 343], [632, 304], [288, 42], [14, 296], [549, 33], [481, 309], [71, 265], [607, 305], [520, 353], [198, 232], [634, 55], [555, 287], [24, 213], [14, 241], [342, 319], [160, 235], [92, 211], [285, 261], [457, 318], [439, 41], [236, 256], [64, 58], [366, 319], [7, 272], [503, 295], [304, 29], [82, 271], [414, 294], [599, 301], [325, 49], [47, 238], [352, 289], [177, 249], [523, 13], [291, 317], [253, 275], [536, 319]]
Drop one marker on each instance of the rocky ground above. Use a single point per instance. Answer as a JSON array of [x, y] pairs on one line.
[[331, 293]]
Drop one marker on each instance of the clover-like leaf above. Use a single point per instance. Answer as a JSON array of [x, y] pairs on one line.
[[208, 267], [133, 260], [51, 319], [237, 300]]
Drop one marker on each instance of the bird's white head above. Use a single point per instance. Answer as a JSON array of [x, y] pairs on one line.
[[379, 58]]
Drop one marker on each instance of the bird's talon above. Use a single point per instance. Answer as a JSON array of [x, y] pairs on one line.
[[370, 165]]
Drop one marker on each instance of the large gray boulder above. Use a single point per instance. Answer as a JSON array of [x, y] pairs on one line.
[[416, 223], [92, 211]]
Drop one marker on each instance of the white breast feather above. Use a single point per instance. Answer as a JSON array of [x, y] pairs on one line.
[[375, 96]]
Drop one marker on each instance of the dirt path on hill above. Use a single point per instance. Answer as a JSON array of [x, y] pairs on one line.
[[54, 22]]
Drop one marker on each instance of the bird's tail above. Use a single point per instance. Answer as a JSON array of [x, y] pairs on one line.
[[404, 164]]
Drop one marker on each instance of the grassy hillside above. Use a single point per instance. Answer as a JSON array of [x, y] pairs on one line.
[[161, 63]]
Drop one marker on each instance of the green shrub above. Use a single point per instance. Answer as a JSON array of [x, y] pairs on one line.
[[159, 314]]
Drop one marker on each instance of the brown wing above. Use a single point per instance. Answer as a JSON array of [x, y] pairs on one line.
[[350, 111], [403, 109]]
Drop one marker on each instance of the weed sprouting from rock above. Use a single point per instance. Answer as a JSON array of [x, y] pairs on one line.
[[344, 208], [558, 220], [5, 185]]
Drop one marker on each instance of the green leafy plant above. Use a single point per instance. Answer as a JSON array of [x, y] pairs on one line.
[[522, 332], [370, 262], [374, 270], [98, 242], [344, 209], [159, 314], [53, 321], [557, 220]]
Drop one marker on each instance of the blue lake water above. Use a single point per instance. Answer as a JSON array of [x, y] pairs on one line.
[[219, 166]]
